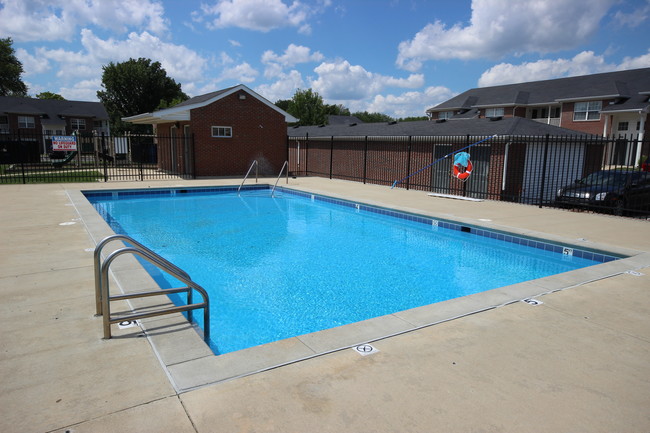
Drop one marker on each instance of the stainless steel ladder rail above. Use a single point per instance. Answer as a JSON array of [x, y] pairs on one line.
[[161, 263], [97, 264], [254, 164], [285, 165]]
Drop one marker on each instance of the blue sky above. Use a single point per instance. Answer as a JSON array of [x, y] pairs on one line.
[[397, 57]]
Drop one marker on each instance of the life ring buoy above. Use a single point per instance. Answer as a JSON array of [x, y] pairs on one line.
[[465, 174]]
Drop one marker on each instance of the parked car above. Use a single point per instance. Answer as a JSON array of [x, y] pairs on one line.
[[614, 190]]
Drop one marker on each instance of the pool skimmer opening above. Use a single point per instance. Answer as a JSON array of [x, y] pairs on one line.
[[635, 273]]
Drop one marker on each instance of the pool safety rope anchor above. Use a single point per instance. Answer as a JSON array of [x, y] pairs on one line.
[[445, 157]]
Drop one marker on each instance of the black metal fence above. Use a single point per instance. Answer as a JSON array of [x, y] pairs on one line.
[[30, 158], [578, 172]]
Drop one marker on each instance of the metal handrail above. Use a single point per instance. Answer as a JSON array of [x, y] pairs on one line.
[[248, 172], [286, 164], [161, 263], [97, 265]]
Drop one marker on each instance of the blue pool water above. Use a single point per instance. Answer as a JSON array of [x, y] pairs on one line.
[[285, 266]]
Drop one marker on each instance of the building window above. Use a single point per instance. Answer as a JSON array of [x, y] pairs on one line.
[[445, 114], [26, 122], [222, 131], [623, 126], [587, 110], [494, 112], [78, 124], [4, 124]]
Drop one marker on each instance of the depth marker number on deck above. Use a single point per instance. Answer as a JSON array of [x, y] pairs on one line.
[[365, 349]]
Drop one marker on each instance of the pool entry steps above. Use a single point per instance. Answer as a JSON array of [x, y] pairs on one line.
[[103, 296]]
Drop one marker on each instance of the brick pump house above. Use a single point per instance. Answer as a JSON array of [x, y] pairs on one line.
[[220, 134]]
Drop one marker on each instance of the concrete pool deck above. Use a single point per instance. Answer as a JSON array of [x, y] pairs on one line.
[[580, 361]]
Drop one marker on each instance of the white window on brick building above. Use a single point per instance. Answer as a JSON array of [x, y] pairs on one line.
[[494, 112], [445, 114], [78, 124], [587, 110], [26, 122], [222, 131]]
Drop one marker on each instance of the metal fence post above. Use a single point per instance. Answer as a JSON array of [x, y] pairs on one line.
[[192, 155], [306, 154], [22, 156], [365, 159], [408, 163], [105, 152], [543, 183], [331, 155], [433, 158], [142, 156]]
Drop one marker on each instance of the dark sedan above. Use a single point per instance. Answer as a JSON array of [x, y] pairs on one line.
[[614, 190]]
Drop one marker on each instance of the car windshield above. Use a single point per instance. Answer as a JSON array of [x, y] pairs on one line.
[[605, 178]]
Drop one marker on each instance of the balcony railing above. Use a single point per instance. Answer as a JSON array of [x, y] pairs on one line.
[[555, 121]]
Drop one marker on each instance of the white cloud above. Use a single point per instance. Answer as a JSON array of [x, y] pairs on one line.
[[85, 90], [85, 65], [583, 63], [409, 103], [643, 61], [293, 55], [259, 15], [342, 81], [180, 62], [284, 88], [501, 27], [635, 18], [242, 73], [50, 20], [32, 65]]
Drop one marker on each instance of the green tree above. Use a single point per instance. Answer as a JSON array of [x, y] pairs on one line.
[[135, 87], [283, 104], [50, 95], [10, 70], [336, 110], [364, 116], [412, 118], [307, 106]]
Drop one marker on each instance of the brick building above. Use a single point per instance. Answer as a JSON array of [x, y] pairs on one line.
[[612, 103], [220, 134], [34, 121]]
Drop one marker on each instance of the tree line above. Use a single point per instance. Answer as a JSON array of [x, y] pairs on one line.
[[141, 86]]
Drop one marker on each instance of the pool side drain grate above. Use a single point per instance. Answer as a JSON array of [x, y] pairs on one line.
[[532, 302], [635, 273], [365, 349]]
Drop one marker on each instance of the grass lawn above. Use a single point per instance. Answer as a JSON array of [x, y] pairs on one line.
[[49, 177]]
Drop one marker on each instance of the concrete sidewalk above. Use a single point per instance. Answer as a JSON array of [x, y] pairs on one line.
[[577, 362]]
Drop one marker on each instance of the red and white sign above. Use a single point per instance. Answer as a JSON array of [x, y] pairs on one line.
[[66, 143]]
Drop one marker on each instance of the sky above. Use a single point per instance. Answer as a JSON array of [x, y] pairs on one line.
[[397, 57]]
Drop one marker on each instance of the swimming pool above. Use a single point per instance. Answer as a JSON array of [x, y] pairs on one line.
[[299, 263]]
